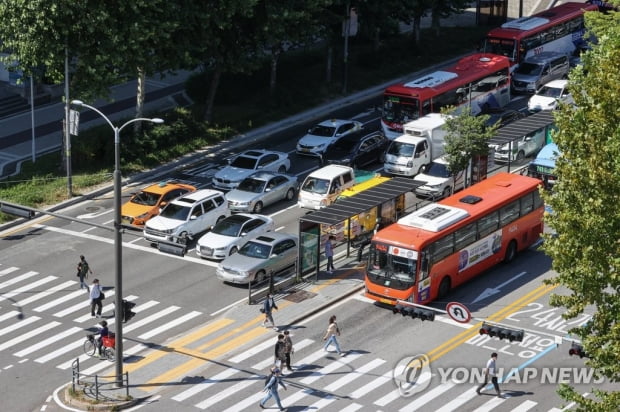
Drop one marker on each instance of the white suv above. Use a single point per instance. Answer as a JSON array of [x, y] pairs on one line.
[[187, 216]]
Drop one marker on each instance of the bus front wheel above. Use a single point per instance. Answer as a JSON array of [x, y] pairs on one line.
[[511, 251], [444, 287]]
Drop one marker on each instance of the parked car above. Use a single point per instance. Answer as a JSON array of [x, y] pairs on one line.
[[439, 180], [325, 133], [527, 145], [269, 253], [502, 117], [247, 163], [187, 216], [548, 96], [261, 189], [228, 235], [147, 202], [356, 151]]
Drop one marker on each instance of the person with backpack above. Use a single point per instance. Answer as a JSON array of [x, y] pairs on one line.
[[96, 296], [82, 272], [268, 305], [279, 351], [271, 387]]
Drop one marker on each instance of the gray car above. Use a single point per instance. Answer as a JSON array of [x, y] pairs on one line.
[[258, 257], [261, 189]]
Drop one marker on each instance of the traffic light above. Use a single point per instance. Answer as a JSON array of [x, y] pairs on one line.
[[502, 333], [414, 312], [576, 349], [127, 313]]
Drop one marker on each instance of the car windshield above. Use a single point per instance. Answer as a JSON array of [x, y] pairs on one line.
[[390, 270], [529, 69], [252, 185], [228, 227], [547, 91], [175, 211], [244, 162], [438, 170], [322, 131], [145, 198], [314, 185], [255, 250], [401, 149]]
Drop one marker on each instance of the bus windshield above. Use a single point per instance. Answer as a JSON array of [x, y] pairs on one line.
[[385, 268], [503, 47], [400, 110]]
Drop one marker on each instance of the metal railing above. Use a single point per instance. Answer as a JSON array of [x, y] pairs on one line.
[[96, 382]]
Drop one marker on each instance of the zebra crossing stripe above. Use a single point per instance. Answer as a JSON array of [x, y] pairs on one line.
[[27, 287], [374, 384], [205, 384], [110, 376], [427, 397], [390, 397], [47, 342], [24, 322], [525, 406], [60, 300], [351, 407], [252, 351], [8, 270], [231, 390], [459, 400], [135, 325], [492, 404], [322, 403], [45, 293], [18, 279], [8, 315], [333, 366], [61, 351], [358, 373], [250, 400], [28, 335], [170, 325], [264, 364]]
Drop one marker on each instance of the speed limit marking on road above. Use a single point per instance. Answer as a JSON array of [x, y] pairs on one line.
[[458, 312]]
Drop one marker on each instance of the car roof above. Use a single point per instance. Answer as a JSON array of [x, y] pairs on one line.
[[196, 196], [164, 187], [239, 218], [264, 175], [334, 122], [273, 237], [557, 84], [255, 153]]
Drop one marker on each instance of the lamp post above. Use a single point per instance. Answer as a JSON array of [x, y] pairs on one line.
[[118, 243]]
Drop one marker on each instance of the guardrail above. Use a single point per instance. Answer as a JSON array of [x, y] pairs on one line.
[[96, 382]]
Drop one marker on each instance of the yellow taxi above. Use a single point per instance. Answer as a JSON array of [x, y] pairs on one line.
[[147, 202]]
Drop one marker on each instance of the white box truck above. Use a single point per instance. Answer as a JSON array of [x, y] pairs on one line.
[[423, 141]]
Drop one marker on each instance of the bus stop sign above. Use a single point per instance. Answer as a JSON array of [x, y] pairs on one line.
[[458, 312]]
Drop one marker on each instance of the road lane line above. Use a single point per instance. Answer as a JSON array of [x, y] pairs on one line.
[[8, 270]]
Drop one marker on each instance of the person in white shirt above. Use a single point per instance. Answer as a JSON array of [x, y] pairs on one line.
[[490, 371], [95, 298]]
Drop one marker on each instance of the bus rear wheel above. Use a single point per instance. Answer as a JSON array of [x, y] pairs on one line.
[[444, 287], [511, 252]]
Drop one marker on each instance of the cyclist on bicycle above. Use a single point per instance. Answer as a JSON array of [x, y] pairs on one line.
[[102, 333]]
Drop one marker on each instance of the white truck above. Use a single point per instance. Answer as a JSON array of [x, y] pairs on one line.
[[440, 182], [423, 141]]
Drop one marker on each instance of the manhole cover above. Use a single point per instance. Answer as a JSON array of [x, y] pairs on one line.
[[299, 295], [93, 209]]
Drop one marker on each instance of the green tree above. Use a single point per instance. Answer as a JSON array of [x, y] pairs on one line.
[[585, 246], [467, 137]]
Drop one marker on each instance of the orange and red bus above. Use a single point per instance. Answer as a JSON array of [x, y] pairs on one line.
[[559, 29], [442, 245], [477, 82]]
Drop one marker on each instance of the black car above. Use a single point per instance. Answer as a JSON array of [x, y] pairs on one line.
[[356, 150], [503, 117]]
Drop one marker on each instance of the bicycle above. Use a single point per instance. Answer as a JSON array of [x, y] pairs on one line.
[[109, 342]]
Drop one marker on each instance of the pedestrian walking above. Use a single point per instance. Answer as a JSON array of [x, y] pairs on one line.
[[288, 350], [490, 371], [329, 253], [96, 296], [272, 388], [269, 304], [279, 354], [332, 331], [83, 269]]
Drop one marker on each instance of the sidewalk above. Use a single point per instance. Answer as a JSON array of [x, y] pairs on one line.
[[295, 304]]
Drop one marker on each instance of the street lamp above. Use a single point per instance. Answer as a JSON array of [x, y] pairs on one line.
[[118, 245]]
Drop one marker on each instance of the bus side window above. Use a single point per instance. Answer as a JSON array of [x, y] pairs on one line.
[[527, 204], [538, 202], [465, 236], [509, 213], [488, 224], [425, 266]]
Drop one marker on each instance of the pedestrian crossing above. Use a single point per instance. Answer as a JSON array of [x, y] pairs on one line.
[[44, 319], [323, 381]]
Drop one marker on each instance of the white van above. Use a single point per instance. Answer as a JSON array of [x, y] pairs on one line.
[[322, 187]]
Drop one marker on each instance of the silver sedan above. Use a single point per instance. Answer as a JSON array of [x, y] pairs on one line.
[[271, 252], [261, 189]]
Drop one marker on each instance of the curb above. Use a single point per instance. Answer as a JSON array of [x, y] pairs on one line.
[[94, 405]]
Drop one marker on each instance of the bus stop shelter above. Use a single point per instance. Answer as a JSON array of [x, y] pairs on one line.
[[523, 127], [342, 219]]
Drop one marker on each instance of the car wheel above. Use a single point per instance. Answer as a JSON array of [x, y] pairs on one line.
[[260, 276], [511, 252], [182, 239], [290, 194], [520, 155], [444, 287], [446, 192], [282, 169], [420, 170], [258, 207], [233, 250]]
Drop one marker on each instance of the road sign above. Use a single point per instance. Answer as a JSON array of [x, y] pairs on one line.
[[458, 312]]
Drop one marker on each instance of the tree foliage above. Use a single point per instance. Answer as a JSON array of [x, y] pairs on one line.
[[586, 218]]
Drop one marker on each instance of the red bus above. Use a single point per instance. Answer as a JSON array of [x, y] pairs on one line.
[[442, 245], [559, 29], [478, 82]]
